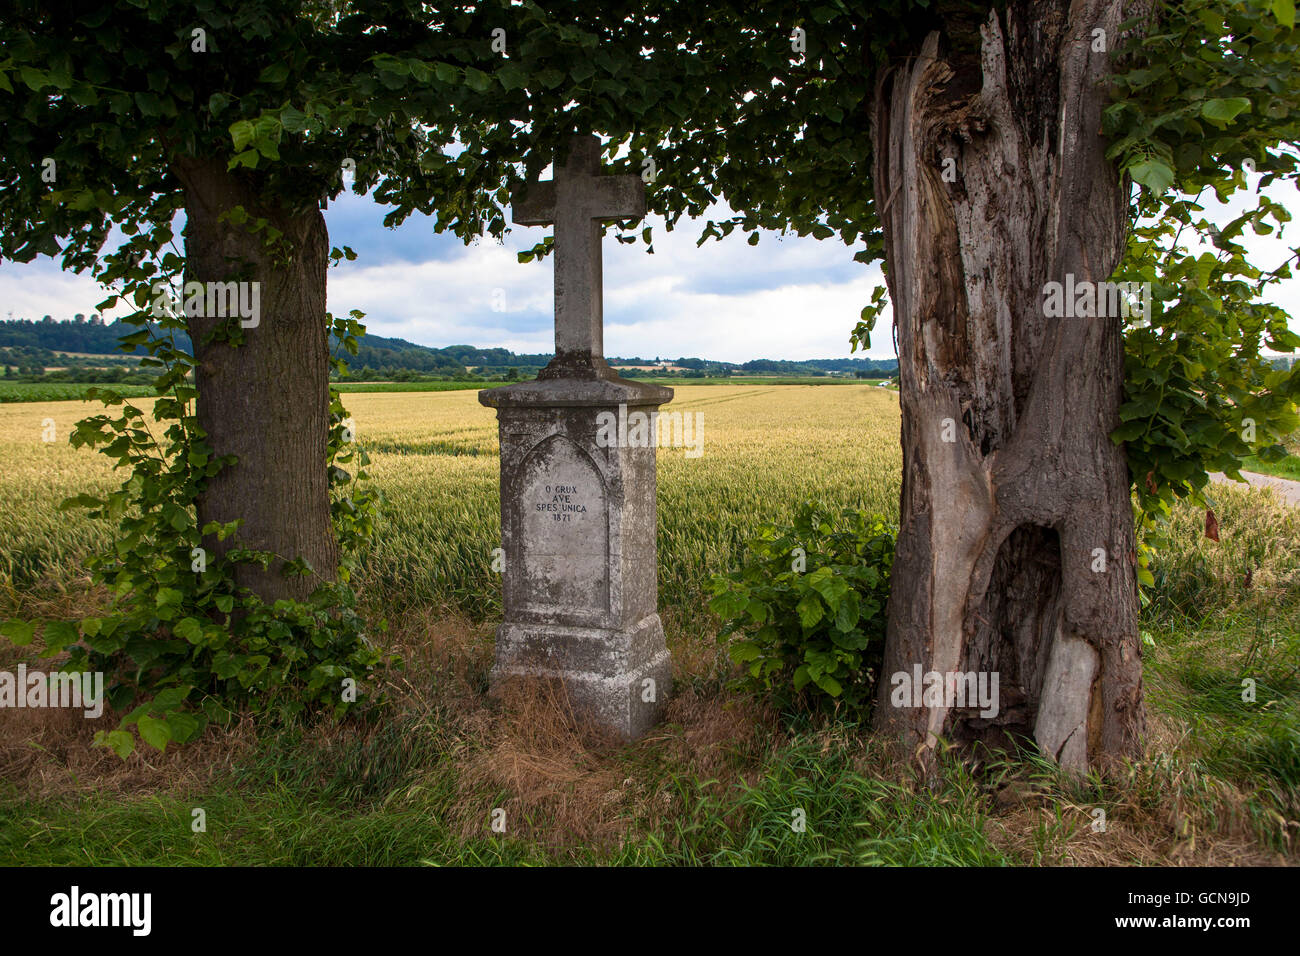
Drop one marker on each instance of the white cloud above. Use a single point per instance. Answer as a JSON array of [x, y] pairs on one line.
[[660, 304], [786, 298], [41, 288]]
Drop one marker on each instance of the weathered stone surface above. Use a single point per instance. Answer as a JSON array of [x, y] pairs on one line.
[[563, 529], [578, 515], [577, 201], [578, 531]]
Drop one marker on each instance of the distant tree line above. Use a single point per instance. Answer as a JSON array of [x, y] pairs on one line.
[[29, 364], [77, 335], [857, 367], [380, 358]]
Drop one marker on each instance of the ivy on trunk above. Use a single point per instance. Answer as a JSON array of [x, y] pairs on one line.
[[264, 399]]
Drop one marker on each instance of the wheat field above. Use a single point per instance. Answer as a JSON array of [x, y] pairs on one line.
[[1224, 774], [434, 455]]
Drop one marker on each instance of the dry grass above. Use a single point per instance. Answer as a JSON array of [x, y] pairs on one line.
[[523, 752], [1164, 811], [47, 755], [1042, 826], [557, 782], [542, 768]]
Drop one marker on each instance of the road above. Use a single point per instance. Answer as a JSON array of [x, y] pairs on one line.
[[1285, 488]]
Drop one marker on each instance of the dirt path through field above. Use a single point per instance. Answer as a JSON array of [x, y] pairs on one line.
[[1285, 488]]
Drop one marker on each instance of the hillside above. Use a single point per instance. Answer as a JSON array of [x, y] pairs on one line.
[[28, 343]]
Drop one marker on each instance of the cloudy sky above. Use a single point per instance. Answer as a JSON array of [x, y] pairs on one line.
[[785, 297]]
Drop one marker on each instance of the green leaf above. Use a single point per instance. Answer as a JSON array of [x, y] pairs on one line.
[[266, 135], [550, 78], [391, 64], [1284, 10], [1153, 174], [511, 76], [58, 635], [241, 133], [275, 74], [809, 610], [1128, 432], [853, 640], [730, 604], [34, 79], [18, 632], [848, 612], [477, 80], [167, 699], [829, 684], [148, 103], [225, 665], [1224, 111], [248, 157], [189, 629], [119, 741], [154, 732], [829, 585], [294, 120], [183, 727]]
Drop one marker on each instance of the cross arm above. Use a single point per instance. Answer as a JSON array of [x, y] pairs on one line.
[[619, 197], [536, 207]]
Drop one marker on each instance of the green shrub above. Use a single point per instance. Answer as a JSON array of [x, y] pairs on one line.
[[182, 641], [808, 606]]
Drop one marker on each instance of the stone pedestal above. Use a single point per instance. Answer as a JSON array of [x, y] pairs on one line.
[[578, 531]]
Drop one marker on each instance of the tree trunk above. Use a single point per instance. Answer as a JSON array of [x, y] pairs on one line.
[[265, 401], [1013, 493]]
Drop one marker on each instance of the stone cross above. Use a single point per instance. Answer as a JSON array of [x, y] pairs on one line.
[[579, 586], [577, 201]]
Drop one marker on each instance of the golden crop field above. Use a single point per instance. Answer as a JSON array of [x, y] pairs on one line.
[[434, 455]]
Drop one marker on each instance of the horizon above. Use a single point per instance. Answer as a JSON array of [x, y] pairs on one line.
[[794, 296], [864, 356], [10, 317]]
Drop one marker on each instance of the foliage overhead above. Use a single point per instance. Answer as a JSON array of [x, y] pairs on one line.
[[1211, 98]]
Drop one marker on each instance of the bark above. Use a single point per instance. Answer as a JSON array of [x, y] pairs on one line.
[[999, 527], [265, 401]]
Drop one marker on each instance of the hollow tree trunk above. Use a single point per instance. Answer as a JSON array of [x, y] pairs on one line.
[[265, 401], [1013, 492]]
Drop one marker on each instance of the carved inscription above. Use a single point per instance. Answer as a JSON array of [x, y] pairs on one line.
[[565, 531]]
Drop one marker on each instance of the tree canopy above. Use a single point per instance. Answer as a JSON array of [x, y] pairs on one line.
[[446, 108], [766, 112]]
